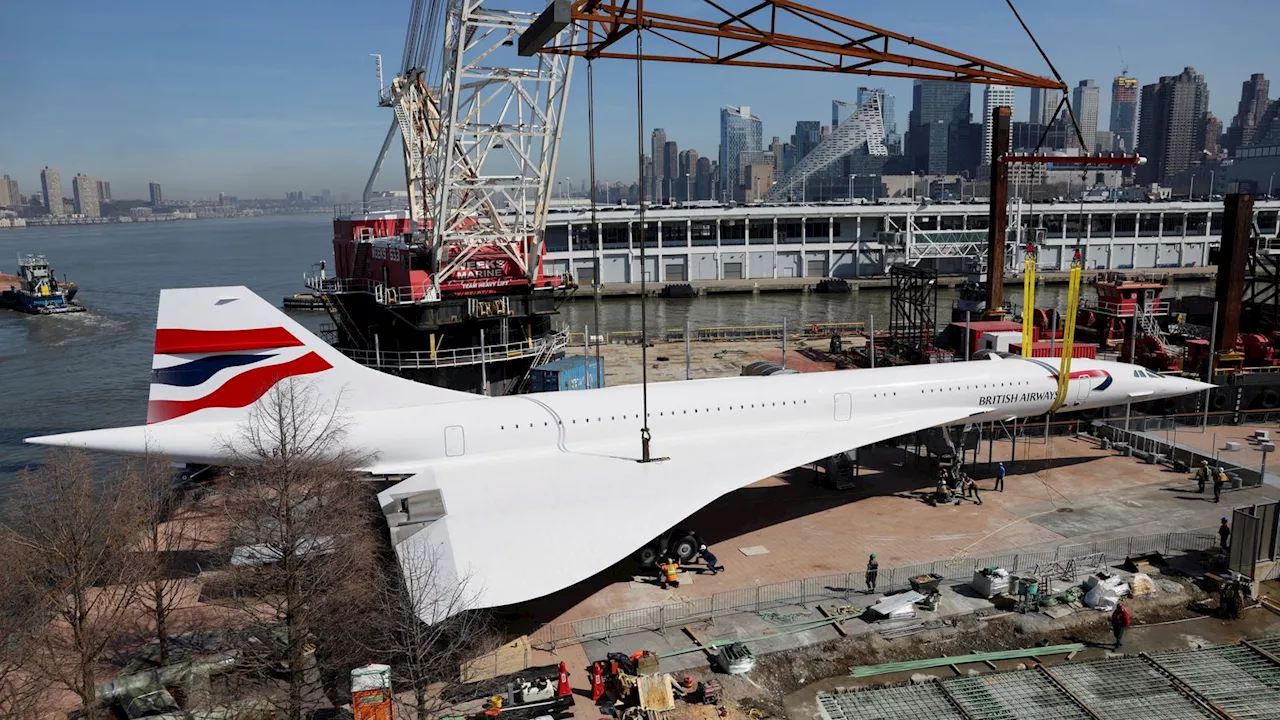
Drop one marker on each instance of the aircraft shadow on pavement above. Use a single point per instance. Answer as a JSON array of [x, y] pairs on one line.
[[754, 508]]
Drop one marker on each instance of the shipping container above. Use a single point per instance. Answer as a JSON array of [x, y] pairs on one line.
[[1089, 351], [1000, 341], [570, 373], [954, 336]]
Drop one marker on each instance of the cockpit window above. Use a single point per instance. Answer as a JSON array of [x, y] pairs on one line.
[[1137, 373]]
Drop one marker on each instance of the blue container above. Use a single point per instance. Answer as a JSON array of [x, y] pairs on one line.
[[570, 373]]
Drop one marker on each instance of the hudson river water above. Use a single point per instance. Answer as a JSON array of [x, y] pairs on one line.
[[90, 370]]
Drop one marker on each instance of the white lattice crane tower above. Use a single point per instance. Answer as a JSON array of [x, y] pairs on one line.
[[480, 147]]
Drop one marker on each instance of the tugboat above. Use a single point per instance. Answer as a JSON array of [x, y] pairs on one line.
[[35, 290]]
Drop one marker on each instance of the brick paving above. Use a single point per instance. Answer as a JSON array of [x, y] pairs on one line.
[[1069, 491]]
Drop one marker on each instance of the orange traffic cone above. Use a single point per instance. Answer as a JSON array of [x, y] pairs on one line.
[[597, 682], [562, 690]]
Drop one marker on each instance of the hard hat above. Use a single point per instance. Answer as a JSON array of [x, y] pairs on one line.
[[1224, 519], [873, 556]]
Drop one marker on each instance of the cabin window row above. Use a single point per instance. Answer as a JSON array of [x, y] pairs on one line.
[[661, 413]]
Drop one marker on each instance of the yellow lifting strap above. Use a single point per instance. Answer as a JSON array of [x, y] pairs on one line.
[[1028, 304], [1068, 334]]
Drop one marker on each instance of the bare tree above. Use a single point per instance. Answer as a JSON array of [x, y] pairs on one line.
[[162, 542], [429, 628], [73, 536], [22, 618], [301, 558]]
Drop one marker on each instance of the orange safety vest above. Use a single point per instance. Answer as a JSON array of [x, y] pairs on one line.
[[670, 569]]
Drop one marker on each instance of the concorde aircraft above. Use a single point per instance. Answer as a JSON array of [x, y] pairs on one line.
[[525, 495]]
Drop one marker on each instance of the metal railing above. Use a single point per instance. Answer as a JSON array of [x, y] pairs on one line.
[[1127, 309], [403, 295], [840, 586], [731, 333], [1167, 450], [426, 359]]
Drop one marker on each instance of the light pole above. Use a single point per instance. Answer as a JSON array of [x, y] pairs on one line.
[[1269, 181], [1211, 173], [851, 179], [1191, 194]]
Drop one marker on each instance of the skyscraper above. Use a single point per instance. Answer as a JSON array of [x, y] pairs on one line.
[[686, 177], [670, 166], [993, 96], [51, 184], [157, 195], [85, 190], [104, 191], [1044, 102], [808, 135], [740, 132], [657, 152], [704, 180], [1171, 125], [1124, 113], [9, 196], [888, 115], [939, 114], [1085, 100], [1254, 98], [1210, 132]]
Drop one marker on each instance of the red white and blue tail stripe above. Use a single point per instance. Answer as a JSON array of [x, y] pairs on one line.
[[220, 350], [198, 369]]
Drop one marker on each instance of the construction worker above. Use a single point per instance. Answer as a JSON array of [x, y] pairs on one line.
[[1000, 477], [873, 570], [667, 573], [1120, 621], [1219, 479], [971, 486], [1224, 535], [709, 559], [1202, 476]]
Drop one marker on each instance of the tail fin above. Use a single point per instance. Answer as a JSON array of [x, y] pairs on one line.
[[219, 350]]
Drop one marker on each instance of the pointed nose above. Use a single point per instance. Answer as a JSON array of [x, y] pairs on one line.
[[1194, 386]]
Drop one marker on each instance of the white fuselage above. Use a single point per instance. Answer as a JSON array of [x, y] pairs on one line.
[[405, 439]]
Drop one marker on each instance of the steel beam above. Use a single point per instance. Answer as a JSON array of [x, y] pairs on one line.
[[998, 213], [835, 43], [1237, 224]]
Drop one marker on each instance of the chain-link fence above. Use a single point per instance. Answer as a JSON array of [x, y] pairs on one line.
[[840, 586]]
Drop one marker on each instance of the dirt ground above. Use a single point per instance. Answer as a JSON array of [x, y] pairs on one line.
[[785, 684]]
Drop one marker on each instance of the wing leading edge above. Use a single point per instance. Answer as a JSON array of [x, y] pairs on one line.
[[526, 526]]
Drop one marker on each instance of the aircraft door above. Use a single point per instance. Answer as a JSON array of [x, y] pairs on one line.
[[844, 407], [1080, 393], [454, 441]]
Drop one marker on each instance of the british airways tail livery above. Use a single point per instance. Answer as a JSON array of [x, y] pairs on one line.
[[493, 482]]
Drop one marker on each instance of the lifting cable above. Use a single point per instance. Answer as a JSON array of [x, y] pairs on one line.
[[644, 299], [595, 224]]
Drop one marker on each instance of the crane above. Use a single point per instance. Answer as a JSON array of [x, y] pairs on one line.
[[480, 133]]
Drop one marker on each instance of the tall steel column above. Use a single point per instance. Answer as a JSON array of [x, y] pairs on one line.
[[998, 213], [1237, 226]]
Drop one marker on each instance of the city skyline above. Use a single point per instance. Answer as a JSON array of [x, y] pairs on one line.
[[254, 126]]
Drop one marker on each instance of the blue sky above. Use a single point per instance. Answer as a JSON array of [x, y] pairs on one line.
[[257, 98]]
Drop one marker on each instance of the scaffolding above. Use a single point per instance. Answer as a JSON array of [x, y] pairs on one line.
[[1240, 681], [913, 311]]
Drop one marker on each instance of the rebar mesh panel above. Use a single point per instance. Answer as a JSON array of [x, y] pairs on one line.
[[1232, 677], [1268, 645], [913, 702], [1012, 696], [1127, 688]]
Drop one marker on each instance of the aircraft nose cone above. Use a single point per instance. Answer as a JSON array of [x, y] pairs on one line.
[[1195, 386]]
